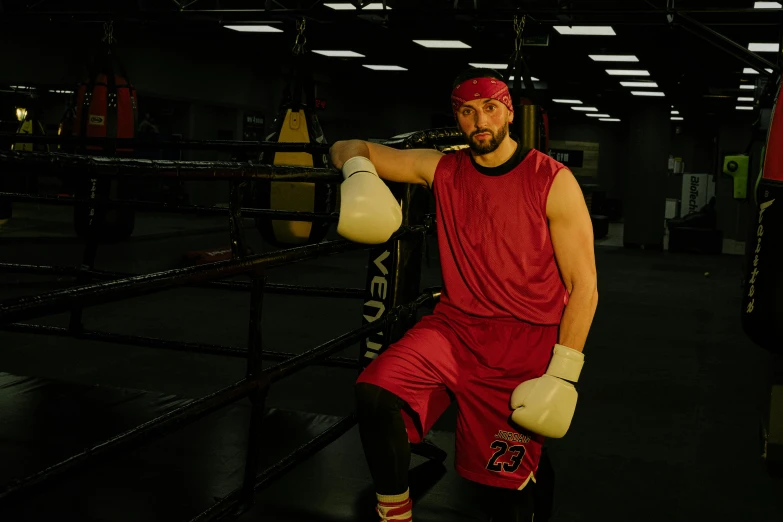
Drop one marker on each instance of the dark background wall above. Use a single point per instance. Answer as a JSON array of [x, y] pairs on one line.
[[612, 139], [702, 145], [200, 87]]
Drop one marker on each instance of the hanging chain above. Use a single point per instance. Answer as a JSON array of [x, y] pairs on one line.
[[108, 32], [183, 7], [301, 40], [519, 30]]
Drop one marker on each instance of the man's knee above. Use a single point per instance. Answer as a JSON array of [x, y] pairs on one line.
[[372, 399]]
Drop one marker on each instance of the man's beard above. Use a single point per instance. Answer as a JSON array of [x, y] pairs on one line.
[[486, 146]]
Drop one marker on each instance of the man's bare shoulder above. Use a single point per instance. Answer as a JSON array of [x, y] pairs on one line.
[[565, 195], [429, 161]]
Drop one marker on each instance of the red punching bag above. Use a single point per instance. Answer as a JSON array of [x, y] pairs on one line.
[[762, 306], [106, 107]]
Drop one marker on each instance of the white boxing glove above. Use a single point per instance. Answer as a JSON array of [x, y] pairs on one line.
[[369, 213], [546, 405]]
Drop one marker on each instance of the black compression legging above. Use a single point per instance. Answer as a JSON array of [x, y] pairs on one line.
[[388, 454], [384, 438]]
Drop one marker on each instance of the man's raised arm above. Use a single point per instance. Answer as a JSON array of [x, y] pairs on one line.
[[416, 166]]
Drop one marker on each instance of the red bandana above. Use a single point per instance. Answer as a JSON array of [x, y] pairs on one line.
[[480, 89]]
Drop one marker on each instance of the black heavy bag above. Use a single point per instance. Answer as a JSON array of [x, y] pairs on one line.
[[762, 305], [531, 120], [532, 124], [296, 122], [66, 127], [106, 107], [544, 131]]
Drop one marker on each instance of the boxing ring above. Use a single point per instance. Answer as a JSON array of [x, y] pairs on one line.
[[389, 316]]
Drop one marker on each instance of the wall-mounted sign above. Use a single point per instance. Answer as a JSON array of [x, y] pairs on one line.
[[253, 126], [569, 158], [579, 156]]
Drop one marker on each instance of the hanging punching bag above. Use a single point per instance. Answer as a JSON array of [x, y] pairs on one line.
[[31, 126], [762, 303], [21, 183], [106, 107], [66, 127], [533, 125], [544, 131], [296, 122]]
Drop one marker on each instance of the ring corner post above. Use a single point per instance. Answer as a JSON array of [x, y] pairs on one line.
[[393, 281], [394, 274], [236, 230], [96, 219], [259, 393]]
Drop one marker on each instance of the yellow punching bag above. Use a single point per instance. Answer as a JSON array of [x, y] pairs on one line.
[[296, 123], [295, 196], [33, 127]]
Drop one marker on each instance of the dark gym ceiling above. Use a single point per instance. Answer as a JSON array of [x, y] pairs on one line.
[[695, 50]]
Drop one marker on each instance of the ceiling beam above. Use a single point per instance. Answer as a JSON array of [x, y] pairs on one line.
[[481, 15], [743, 54]]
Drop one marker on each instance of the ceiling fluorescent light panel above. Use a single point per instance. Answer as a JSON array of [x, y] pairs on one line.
[[254, 28], [585, 30], [490, 65], [764, 47], [639, 84], [627, 72], [613, 58], [442, 44], [339, 54], [748, 70], [385, 67]]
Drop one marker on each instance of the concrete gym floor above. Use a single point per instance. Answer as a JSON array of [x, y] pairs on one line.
[[667, 426]]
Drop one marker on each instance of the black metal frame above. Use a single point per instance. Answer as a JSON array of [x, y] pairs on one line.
[[490, 10], [272, 288], [727, 45], [254, 385], [59, 164], [189, 170], [250, 148], [111, 286]]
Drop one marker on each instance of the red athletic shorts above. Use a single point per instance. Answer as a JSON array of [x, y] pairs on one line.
[[479, 362]]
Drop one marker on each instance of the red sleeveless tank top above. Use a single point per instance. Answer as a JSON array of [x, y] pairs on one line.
[[496, 254]]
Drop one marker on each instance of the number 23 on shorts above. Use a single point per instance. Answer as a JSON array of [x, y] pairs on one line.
[[509, 464]]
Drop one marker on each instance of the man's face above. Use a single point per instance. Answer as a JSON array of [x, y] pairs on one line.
[[484, 123]]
